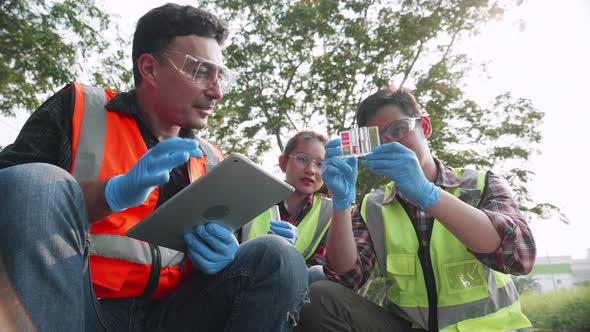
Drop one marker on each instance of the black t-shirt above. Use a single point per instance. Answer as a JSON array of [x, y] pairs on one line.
[[46, 137]]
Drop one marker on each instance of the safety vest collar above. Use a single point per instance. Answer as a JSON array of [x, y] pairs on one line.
[[311, 229]]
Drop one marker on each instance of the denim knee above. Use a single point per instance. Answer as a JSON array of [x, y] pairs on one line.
[[274, 254], [315, 273], [30, 188], [35, 177], [281, 272]]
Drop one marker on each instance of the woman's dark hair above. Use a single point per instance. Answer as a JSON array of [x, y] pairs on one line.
[[299, 138], [157, 28]]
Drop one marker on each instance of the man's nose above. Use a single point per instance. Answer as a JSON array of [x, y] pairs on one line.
[[214, 91]]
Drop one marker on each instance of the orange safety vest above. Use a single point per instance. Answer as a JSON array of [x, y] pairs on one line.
[[105, 144]]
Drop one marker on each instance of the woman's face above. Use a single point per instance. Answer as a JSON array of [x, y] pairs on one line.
[[302, 166]]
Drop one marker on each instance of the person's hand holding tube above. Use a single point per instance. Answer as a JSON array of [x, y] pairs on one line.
[[339, 175], [401, 165]]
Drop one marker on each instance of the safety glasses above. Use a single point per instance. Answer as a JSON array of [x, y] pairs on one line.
[[398, 130], [203, 72]]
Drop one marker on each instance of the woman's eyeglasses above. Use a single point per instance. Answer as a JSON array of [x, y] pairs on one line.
[[302, 160]]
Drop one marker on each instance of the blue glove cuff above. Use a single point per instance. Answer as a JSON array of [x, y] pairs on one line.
[[110, 194], [341, 204], [431, 198]]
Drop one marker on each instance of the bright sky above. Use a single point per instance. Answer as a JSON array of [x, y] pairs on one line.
[[547, 63]]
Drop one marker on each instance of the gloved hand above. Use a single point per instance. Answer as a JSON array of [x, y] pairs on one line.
[[152, 169], [339, 175], [284, 230], [211, 247], [401, 165]]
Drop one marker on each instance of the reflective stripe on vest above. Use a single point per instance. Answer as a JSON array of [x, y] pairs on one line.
[[105, 144], [90, 146], [119, 247], [211, 154], [468, 292], [311, 229]]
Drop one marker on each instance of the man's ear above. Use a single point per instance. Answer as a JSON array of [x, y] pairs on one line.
[[426, 127], [148, 67], [283, 163]]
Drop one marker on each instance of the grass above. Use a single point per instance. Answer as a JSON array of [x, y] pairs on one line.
[[562, 310]]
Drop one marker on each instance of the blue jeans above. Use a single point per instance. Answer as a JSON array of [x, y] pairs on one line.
[[44, 244], [315, 273]]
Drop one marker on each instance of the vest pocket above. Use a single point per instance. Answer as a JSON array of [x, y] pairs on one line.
[[463, 282], [401, 264], [401, 271]]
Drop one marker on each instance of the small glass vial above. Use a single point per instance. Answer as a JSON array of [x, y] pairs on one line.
[[274, 212], [357, 142]]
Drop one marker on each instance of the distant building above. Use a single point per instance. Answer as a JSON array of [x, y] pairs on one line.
[[558, 272]]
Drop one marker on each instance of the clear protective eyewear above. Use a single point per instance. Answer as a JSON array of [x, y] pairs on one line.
[[302, 160], [203, 72], [398, 130]]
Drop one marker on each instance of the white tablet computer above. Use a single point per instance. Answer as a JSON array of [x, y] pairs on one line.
[[236, 191]]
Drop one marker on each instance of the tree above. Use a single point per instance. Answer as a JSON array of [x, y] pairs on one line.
[[45, 44], [526, 284], [309, 63]]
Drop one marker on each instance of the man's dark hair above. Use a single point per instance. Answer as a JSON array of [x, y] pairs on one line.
[[401, 98], [156, 29]]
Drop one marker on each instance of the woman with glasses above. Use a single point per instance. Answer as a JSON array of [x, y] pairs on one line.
[[304, 217], [446, 240]]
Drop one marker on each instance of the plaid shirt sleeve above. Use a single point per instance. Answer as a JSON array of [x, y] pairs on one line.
[[356, 277], [517, 250]]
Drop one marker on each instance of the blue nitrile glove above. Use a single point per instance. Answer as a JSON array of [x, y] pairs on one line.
[[401, 165], [339, 175], [151, 170], [211, 247], [284, 230]]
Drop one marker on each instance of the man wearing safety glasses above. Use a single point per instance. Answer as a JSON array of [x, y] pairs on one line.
[[446, 240], [91, 163]]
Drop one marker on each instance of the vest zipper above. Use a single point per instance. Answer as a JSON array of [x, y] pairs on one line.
[[154, 277], [429, 280]]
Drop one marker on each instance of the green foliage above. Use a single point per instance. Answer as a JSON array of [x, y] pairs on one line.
[[526, 284], [563, 310], [45, 44], [308, 64], [303, 64]]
